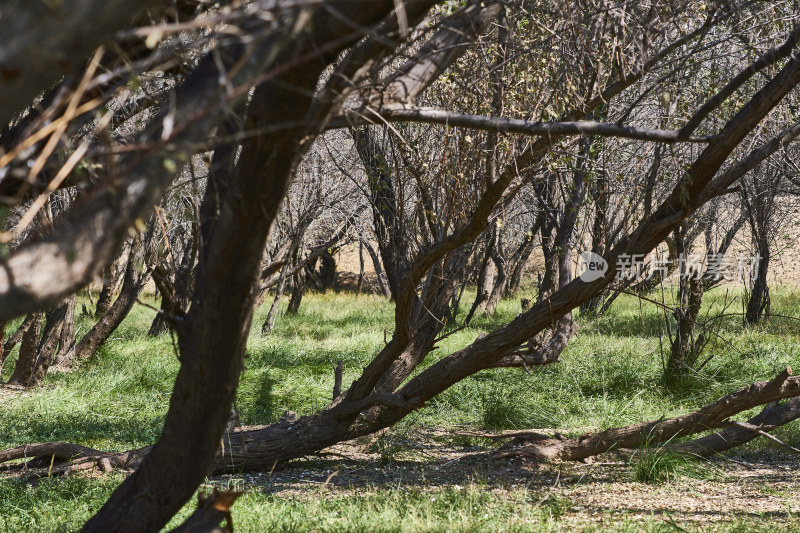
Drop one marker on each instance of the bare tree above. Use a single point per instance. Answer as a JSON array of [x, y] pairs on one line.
[[295, 98]]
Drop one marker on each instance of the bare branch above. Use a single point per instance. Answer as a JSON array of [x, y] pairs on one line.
[[550, 130]]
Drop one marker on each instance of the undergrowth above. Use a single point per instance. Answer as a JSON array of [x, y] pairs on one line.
[[610, 375]]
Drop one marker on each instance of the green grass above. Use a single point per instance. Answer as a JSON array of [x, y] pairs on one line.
[[663, 466], [609, 375]]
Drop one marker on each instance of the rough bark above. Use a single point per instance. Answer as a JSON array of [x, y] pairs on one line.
[[106, 297], [16, 337], [44, 41], [685, 346], [26, 361], [51, 337], [298, 289], [133, 282], [773, 415], [67, 342]]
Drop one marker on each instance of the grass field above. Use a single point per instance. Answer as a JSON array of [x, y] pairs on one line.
[[609, 375]]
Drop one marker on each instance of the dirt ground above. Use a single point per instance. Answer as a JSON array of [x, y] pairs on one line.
[[598, 493]]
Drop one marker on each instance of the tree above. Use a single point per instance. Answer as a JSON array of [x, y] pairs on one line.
[[259, 140]]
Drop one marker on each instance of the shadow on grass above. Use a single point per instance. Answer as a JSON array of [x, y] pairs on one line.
[[81, 428]]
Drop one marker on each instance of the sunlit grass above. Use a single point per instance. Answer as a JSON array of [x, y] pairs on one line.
[[609, 375]]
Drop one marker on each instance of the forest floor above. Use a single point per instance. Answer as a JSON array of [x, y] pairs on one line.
[[430, 473]]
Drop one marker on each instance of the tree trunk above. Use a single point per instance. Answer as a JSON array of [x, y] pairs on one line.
[[485, 283], [500, 281], [710, 417], [269, 322], [46, 350], [520, 261], [107, 292], [174, 284], [298, 289], [169, 303], [758, 305], [133, 282], [383, 281], [26, 362], [237, 212], [16, 337], [393, 247], [599, 190], [67, 342], [360, 284], [685, 347]]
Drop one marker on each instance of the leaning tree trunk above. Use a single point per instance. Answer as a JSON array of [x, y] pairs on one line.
[[269, 322], [26, 361], [238, 209], [107, 292], [16, 337], [132, 284], [36, 357]]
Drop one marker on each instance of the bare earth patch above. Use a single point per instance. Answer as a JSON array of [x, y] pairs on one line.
[[12, 391], [753, 487]]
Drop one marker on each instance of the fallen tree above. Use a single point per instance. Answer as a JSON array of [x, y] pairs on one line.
[[712, 417], [61, 458], [242, 200]]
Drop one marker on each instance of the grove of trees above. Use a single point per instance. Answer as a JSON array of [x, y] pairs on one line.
[[226, 150]]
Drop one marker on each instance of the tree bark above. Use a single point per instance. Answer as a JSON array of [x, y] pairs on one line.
[[67, 342], [133, 282], [26, 362], [42, 42], [758, 305], [685, 347], [106, 292], [16, 337], [298, 289]]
